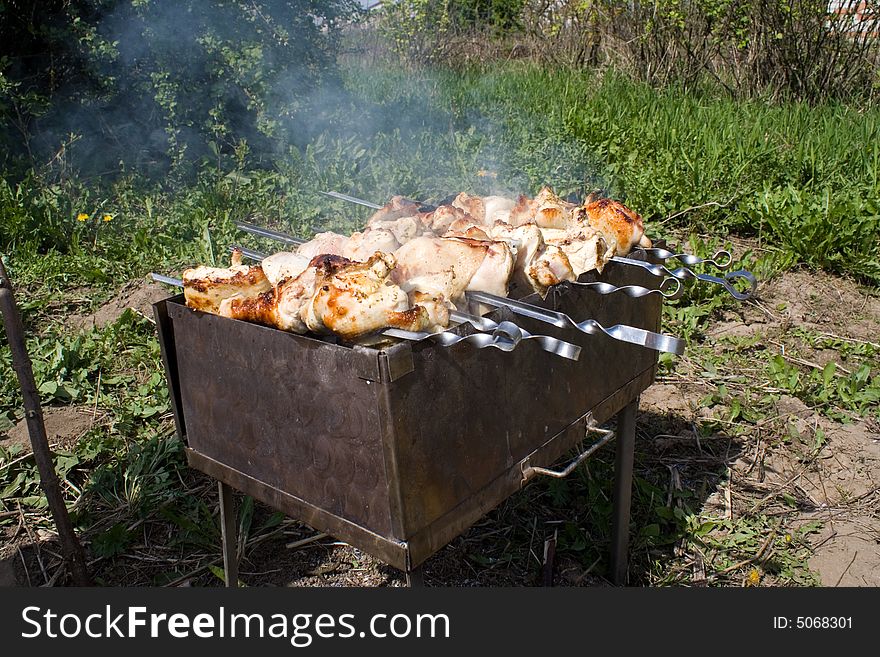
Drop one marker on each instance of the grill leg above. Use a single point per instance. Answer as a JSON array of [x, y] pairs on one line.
[[415, 578], [623, 473], [229, 533]]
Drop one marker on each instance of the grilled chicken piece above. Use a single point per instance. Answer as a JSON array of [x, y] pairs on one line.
[[283, 264], [614, 220], [361, 246], [485, 210], [472, 205], [396, 208], [449, 267], [355, 298], [402, 217], [439, 221], [585, 247], [204, 288], [546, 210], [435, 305], [497, 208], [618, 225], [404, 229], [279, 307], [538, 265], [467, 228], [321, 244]]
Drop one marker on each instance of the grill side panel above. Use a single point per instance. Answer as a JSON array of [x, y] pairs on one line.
[[463, 419], [286, 410]]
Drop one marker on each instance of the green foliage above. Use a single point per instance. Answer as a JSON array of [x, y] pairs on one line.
[[424, 31], [781, 48], [149, 83], [858, 392]]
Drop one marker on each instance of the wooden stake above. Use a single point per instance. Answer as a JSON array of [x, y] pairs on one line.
[[21, 362]]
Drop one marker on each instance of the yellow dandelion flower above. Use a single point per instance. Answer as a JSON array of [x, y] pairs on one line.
[[788, 538], [754, 577], [107, 217], [82, 216]]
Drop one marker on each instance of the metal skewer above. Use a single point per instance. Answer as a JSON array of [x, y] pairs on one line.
[[517, 333], [683, 273], [250, 253], [635, 291], [503, 333], [268, 232], [352, 199], [424, 207], [168, 280], [722, 259], [506, 337], [622, 332]]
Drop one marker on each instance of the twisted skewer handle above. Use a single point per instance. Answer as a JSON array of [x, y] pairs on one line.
[[722, 259], [622, 332], [683, 273], [506, 337], [636, 291], [518, 334]]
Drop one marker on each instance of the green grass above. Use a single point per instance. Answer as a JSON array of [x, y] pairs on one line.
[[800, 177], [802, 180]]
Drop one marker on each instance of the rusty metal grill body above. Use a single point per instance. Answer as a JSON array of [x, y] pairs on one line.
[[396, 450]]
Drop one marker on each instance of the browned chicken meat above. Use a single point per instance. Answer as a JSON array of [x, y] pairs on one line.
[[403, 229], [283, 264], [361, 246], [321, 244], [396, 208], [538, 265], [334, 295], [408, 268], [484, 210], [585, 247], [355, 298], [614, 220], [546, 210], [280, 307], [438, 221], [204, 288]]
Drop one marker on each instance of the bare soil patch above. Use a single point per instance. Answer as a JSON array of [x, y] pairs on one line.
[[806, 299], [139, 295], [64, 426], [834, 481]]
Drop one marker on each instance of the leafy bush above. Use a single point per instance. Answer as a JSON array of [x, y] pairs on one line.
[[429, 31], [151, 83], [787, 48], [793, 48]]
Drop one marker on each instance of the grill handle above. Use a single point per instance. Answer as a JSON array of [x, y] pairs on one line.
[[530, 471]]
